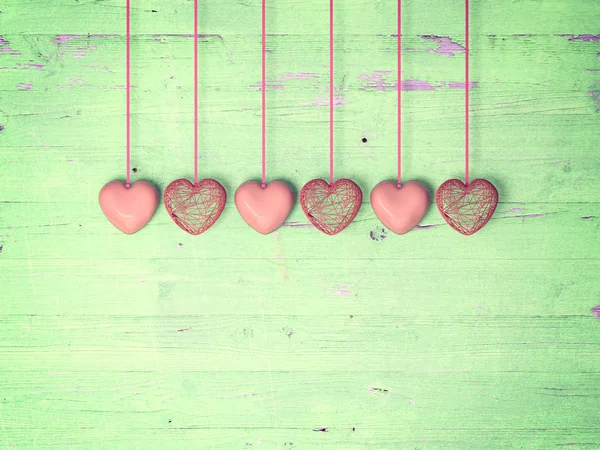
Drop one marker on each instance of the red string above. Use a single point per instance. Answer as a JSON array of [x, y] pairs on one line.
[[128, 92], [264, 93], [466, 91], [195, 91], [330, 91], [399, 93]]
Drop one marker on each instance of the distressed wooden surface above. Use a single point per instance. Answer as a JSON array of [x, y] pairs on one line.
[[296, 340]]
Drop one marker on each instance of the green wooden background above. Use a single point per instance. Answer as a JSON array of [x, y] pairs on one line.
[[297, 340]]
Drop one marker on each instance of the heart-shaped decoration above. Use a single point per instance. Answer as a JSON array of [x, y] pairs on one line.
[[330, 208], [400, 208], [467, 208], [264, 208], [128, 208], [195, 207]]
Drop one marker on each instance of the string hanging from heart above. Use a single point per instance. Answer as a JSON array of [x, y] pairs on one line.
[[128, 206], [332, 206], [264, 206], [195, 207], [400, 207], [468, 206]]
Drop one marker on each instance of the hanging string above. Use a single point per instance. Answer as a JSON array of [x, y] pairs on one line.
[[128, 91], [264, 93], [399, 93], [330, 91], [195, 91], [467, 91]]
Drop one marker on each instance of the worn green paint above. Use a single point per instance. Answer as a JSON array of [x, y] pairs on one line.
[[296, 340]]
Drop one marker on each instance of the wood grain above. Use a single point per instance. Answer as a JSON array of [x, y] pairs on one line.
[[296, 340]]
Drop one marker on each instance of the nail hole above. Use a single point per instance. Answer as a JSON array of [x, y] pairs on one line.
[[364, 140], [134, 170]]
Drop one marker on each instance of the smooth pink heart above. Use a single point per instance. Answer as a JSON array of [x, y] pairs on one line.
[[195, 207], [467, 208], [400, 208], [128, 208], [330, 208], [264, 208]]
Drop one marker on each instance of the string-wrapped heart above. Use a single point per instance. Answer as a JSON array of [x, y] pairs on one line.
[[467, 208], [195, 207], [330, 208]]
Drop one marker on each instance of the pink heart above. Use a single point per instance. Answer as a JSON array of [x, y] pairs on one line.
[[264, 208], [400, 208], [467, 208], [330, 207], [128, 208], [195, 207]]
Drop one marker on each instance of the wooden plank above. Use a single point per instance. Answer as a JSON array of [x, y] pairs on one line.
[[296, 340]]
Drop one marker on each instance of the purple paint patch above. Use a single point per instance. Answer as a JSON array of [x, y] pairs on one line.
[[35, 66], [596, 311], [60, 38], [376, 82], [515, 210], [1, 127], [24, 86], [446, 46], [417, 85], [461, 85], [581, 37]]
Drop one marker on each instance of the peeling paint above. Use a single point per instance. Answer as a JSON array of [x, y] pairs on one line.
[[377, 82], [446, 46], [581, 37], [24, 86]]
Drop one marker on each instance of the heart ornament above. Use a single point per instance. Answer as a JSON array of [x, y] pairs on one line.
[[264, 208], [128, 208], [330, 208], [195, 207], [467, 208], [400, 208]]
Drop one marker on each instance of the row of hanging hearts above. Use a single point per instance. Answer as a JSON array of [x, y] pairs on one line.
[[329, 207]]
